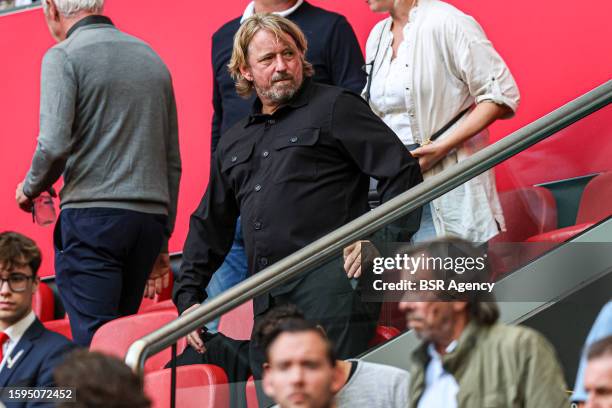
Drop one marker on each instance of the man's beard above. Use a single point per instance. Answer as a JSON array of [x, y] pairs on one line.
[[277, 92]]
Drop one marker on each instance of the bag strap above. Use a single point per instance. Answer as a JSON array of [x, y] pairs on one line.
[[447, 126], [372, 64]]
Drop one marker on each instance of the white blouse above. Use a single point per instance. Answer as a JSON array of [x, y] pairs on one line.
[[450, 66], [387, 94]]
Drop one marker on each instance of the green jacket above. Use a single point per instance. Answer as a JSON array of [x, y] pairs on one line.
[[498, 366]]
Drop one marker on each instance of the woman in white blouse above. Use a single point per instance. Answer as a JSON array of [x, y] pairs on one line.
[[431, 67]]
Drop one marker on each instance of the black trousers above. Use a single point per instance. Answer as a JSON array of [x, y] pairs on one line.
[[325, 296], [103, 257]]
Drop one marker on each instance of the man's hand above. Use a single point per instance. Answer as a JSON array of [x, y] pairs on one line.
[[22, 200], [430, 154], [160, 276], [352, 260], [193, 338], [353, 255]]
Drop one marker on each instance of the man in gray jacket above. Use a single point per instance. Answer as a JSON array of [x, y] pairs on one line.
[[108, 123]]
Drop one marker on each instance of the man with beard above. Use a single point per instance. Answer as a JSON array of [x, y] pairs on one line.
[[334, 52], [468, 359], [295, 169]]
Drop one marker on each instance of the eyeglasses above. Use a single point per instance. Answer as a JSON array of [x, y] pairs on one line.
[[17, 282]]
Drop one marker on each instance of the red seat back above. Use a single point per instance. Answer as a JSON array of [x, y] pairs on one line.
[[199, 385], [43, 303], [155, 306], [528, 211], [596, 200], [251, 393], [61, 326], [238, 323], [383, 334], [115, 337]]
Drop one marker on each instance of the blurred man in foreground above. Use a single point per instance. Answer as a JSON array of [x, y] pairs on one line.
[[362, 384], [100, 381], [467, 359], [301, 368], [598, 374]]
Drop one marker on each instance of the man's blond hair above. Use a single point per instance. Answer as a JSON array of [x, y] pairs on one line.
[[277, 25]]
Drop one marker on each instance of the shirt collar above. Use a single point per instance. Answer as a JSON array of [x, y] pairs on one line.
[[301, 98], [433, 353], [16, 331], [89, 20], [250, 10]]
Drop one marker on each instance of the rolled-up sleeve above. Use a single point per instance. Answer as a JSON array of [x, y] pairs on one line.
[[479, 65]]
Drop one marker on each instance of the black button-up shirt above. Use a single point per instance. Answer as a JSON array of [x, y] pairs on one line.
[[294, 176]]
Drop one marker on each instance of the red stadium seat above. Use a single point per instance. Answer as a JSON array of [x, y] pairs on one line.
[[155, 306], [595, 205], [562, 234], [43, 303], [528, 211], [238, 322], [596, 200], [251, 393], [115, 337], [200, 385], [61, 326], [383, 334]]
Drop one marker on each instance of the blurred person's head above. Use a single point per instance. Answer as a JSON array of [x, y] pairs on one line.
[[268, 58], [100, 381], [598, 374], [60, 15], [19, 262], [439, 316], [300, 368]]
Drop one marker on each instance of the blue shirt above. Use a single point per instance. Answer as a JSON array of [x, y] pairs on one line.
[[441, 388]]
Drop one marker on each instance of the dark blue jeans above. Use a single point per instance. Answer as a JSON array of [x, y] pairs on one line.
[[233, 270], [103, 257]]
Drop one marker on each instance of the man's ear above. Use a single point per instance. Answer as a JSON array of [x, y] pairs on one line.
[[52, 11], [338, 379], [459, 307], [35, 283], [246, 73], [267, 382]]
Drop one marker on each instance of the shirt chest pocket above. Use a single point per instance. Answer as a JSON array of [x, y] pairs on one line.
[[235, 165], [296, 156]]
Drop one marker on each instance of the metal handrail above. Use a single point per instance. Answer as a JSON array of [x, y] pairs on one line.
[[326, 247]]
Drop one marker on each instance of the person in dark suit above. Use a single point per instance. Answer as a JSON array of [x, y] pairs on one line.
[[29, 353]]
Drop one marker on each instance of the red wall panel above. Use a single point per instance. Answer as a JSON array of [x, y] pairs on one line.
[[556, 49]]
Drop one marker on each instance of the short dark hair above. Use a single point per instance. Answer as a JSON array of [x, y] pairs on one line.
[[18, 250], [100, 381], [481, 306], [288, 319], [600, 348]]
